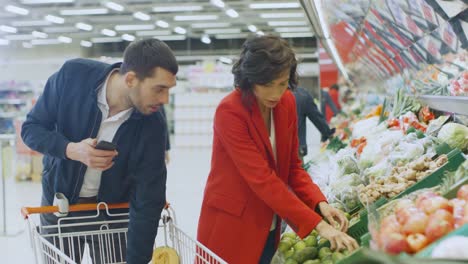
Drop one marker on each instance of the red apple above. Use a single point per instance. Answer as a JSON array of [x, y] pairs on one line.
[[403, 215], [458, 211], [423, 196], [463, 193], [402, 204], [440, 223], [430, 205], [389, 224], [416, 223], [417, 242], [395, 243]]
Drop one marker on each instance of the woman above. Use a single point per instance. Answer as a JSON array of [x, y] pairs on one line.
[[256, 177]]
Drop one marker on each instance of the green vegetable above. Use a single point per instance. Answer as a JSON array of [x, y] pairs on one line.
[[336, 144], [455, 135], [348, 165]]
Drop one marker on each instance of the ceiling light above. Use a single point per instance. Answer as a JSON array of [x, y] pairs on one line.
[[30, 23], [141, 16], [162, 23], [45, 41], [60, 29], [114, 6], [231, 36], [27, 45], [16, 10], [134, 27], [210, 25], [38, 2], [39, 34], [55, 19], [292, 29], [88, 11], [106, 40], [180, 30], [281, 15], [252, 28], [223, 31], [297, 35], [274, 5], [84, 26], [218, 3], [172, 37], [4, 42], [153, 33], [232, 13], [8, 29], [225, 60], [177, 8], [195, 17], [19, 37], [287, 23], [108, 32], [260, 33], [206, 39], [128, 37], [64, 39], [86, 44]]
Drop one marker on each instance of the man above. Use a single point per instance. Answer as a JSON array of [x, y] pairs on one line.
[[306, 108], [333, 106], [88, 101], [167, 157]]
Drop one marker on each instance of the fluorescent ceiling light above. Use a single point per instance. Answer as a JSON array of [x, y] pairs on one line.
[[180, 30], [55, 19], [141, 16], [297, 35], [218, 3], [108, 32], [225, 60], [153, 33], [292, 29], [4, 42], [232, 13], [162, 23], [19, 37], [252, 28], [195, 17], [86, 44], [223, 31], [84, 26], [172, 37], [114, 6], [88, 11], [287, 23], [27, 45], [45, 41], [39, 34], [177, 8], [8, 29], [210, 25], [128, 37], [30, 23], [274, 5], [16, 10], [260, 33], [60, 29], [38, 2], [231, 36], [134, 27], [281, 15], [206, 39], [106, 40], [65, 39]]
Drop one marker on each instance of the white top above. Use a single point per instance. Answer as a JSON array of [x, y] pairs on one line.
[[273, 147], [107, 130]]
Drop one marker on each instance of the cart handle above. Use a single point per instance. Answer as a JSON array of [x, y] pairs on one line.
[[27, 211]]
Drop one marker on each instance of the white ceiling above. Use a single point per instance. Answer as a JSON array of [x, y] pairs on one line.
[[26, 23]]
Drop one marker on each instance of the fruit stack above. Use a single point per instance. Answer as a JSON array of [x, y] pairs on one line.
[[310, 250], [415, 224]]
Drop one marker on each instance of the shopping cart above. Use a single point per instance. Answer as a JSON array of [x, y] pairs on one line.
[[104, 241]]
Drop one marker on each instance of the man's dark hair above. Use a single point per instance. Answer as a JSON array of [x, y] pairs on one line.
[[144, 56], [262, 60], [335, 86]]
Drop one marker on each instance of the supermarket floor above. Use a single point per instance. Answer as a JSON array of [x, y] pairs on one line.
[[187, 173]]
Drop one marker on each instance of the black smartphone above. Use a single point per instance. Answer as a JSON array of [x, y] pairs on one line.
[[105, 145]]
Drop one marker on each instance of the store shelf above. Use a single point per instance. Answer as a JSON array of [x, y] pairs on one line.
[[9, 114], [452, 104], [12, 101]]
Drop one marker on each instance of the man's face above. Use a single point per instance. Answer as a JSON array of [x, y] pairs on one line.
[[149, 94], [270, 94]]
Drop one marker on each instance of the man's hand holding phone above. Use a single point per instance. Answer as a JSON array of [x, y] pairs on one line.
[[93, 154]]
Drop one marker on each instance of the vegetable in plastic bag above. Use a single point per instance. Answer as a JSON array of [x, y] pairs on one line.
[[455, 135], [348, 165]]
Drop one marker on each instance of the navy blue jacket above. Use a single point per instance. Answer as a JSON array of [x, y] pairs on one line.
[[67, 111]]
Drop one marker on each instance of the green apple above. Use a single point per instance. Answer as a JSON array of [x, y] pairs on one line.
[[300, 246], [311, 241]]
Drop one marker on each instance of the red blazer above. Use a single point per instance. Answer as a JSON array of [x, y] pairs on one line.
[[245, 187], [336, 100]]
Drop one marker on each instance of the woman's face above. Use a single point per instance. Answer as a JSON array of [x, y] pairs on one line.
[[269, 95]]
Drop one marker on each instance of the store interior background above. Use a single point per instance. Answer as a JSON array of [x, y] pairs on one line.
[[204, 78]]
